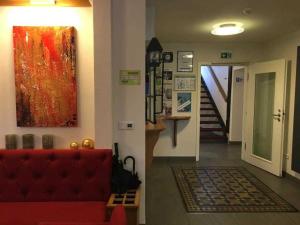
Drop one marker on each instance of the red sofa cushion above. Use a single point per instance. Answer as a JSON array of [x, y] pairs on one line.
[[118, 216], [33, 213], [55, 175], [69, 223]]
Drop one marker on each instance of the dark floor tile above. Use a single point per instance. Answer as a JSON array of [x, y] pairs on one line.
[[164, 205]]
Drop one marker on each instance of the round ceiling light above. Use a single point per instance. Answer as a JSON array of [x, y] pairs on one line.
[[225, 29]]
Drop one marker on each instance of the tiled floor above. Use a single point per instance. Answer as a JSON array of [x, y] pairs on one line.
[[164, 205]]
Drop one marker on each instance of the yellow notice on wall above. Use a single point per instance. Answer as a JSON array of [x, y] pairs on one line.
[[130, 77]]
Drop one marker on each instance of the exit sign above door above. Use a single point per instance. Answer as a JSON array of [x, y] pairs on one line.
[[226, 55]]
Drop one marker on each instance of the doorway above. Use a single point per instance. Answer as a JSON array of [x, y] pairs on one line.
[[221, 103], [258, 105]]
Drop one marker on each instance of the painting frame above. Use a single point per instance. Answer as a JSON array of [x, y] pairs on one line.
[[185, 60], [185, 82], [45, 76]]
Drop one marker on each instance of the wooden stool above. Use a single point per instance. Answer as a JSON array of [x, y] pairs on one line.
[[131, 202]]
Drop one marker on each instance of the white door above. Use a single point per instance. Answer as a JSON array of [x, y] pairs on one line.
[[265, 115]]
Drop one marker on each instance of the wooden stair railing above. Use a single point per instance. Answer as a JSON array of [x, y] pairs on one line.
[[220, 88]]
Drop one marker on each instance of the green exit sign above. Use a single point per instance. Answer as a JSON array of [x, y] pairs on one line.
[[226, 55]]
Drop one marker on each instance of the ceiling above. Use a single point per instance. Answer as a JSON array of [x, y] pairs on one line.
[[192, 20]]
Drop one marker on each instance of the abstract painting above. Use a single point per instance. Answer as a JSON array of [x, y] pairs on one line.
[[45, 76]]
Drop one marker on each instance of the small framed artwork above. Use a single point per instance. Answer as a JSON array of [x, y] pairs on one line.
[[184, 82], [185, 61], [168, 75], [168, 57], [184, 102]]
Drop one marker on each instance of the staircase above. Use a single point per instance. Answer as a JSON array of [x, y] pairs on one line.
[[212, 127]]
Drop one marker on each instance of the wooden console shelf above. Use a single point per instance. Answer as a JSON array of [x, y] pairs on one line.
[[131, 202], [175, 119], [152, 135]]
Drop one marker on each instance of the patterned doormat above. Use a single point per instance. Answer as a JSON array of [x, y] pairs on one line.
[[226, 189]]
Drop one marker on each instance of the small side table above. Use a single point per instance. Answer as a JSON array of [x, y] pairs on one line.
[[131, 202]]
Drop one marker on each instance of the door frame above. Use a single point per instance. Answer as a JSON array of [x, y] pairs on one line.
[[198, 105]]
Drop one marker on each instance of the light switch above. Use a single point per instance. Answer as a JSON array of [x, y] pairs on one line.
[[126, 125]]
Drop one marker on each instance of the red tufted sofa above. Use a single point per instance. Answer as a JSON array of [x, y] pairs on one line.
[[57, 187]]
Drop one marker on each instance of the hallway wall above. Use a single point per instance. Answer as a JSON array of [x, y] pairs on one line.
[[203, 53], [82, 20], [286, 47], [128, 47]]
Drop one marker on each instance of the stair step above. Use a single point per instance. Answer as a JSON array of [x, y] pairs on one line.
[[204, 92], [205, 102], [211, 129], [204, 97], [208, 115], [207, 109], [209, 122]]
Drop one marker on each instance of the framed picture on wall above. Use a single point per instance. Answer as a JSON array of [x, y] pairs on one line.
[[168, 57], [184, 102], [185, 82], [185, 61]]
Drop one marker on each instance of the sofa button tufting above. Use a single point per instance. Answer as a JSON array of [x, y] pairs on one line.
[[77, 156], [24, 192], [102, 158], [50, 191], [90, 174], [52, 157], [11, 176], [76, 191], [64, 174], [25, 157], [37, 175]]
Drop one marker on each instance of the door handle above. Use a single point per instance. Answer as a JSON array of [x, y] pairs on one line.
[[277, 115]]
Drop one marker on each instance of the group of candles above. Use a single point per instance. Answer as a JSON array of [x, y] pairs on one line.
[[11, 141]]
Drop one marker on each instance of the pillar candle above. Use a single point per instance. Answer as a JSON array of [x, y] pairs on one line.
[[47, 140], [28, 141], [11, 141]]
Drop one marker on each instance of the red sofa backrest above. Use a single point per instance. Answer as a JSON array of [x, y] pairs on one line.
[[55, 175]]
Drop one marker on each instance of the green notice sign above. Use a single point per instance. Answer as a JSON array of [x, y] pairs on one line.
[[226, 55], [130, 77]]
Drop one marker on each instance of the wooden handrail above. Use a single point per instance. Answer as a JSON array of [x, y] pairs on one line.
[[221, 90]]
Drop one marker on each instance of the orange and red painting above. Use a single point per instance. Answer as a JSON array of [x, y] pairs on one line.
[[45, 64]]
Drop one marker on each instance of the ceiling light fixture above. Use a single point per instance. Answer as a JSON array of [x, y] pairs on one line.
[[42, 2], [230, 28]]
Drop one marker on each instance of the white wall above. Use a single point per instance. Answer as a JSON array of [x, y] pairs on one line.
[[214, 92], [103, 74], [128, 46], [204, 53], [222, 75], [236, 107], [82, 20], [286, 47], [150, 22], [186, 130]]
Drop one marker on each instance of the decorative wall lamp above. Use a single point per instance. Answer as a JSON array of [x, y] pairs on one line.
[[154, 52], [154, 80]]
